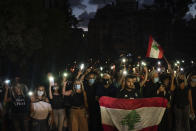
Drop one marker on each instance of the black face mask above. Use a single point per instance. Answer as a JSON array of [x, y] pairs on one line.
[[180, 81], [106, 81]]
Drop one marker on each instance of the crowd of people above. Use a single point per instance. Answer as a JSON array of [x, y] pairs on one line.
[[72, 104]]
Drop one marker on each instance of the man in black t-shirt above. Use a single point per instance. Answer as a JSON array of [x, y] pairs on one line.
[[131, 89]]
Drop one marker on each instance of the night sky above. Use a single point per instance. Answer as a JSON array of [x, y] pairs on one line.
[[86, 9]]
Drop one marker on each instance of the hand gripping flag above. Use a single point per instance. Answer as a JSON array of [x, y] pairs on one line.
[[132, 114], [154, 49]]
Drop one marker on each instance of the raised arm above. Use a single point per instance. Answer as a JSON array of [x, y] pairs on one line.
[[50, 91], [6, 99], [145, 77], [64, 91], [190, 101], [85, 73]]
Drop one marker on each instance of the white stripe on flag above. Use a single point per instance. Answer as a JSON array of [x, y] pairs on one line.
[[150, 116], [154, 53]]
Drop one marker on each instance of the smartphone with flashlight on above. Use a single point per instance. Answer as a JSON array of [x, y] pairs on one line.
[[51, 80], [7, 82]]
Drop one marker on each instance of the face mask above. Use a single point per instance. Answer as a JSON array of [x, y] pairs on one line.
[[77, 87], [193, 80], [91, 81], [40, 93], [55, 87], [105, 81], [156, 80]]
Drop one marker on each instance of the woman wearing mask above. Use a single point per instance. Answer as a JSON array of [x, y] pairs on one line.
[[40, 109], [183, 106], [57, 103], [19, 106], [79, 107]]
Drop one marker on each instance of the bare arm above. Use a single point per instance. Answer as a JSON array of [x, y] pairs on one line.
[[50, 91], [84, 75], [190, 101], [172, 88], [6, 99], [145, 77]]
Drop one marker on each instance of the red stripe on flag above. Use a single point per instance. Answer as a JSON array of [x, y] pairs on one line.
[[149, 46], [112, 128], [108, 128], [160, 52], [132, 104], [152, 128]]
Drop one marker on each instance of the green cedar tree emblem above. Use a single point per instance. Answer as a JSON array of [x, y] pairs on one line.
[[155, 46], [131, 119]]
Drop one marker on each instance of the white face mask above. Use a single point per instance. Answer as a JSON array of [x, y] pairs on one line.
[[55, 87], [40, 93], [77, 87]]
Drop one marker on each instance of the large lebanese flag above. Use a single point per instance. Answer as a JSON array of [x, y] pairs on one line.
[[131, 114], [154, 49]]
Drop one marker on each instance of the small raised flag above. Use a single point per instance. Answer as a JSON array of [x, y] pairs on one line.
[[154, 49]]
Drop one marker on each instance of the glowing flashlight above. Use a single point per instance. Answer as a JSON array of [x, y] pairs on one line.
[[101, 74], [51, 78], [159, 69], [182, 69], [125, 72], [30, 93], [144, 63], [123, 60], [82, 66], [159, 63], [101, 68], [7, 81], [65, 74]]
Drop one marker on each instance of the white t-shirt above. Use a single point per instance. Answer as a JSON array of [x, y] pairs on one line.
[[41, 110]]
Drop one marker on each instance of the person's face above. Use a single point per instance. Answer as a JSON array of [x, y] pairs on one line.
[[181, 77], [182, 85], [41, 89], [156, 75], [193, 78], [106, 76], [78, 87], [166, 82], [130, 83], [91, 76], [134, 80], [55, 87]]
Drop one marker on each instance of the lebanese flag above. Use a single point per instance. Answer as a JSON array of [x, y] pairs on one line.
[[132, 114], [154, 49]]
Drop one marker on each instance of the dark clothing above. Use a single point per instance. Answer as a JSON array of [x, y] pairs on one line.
[[182, 118], [181, 97], [39, 125], [150, 89], [57, 102], [93, 108], [77, 100], [130, 93], [20, 104], [111, 91], [2, 92], [20, 122]]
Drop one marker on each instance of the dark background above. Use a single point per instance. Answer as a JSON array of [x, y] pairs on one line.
[[37, 37]]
